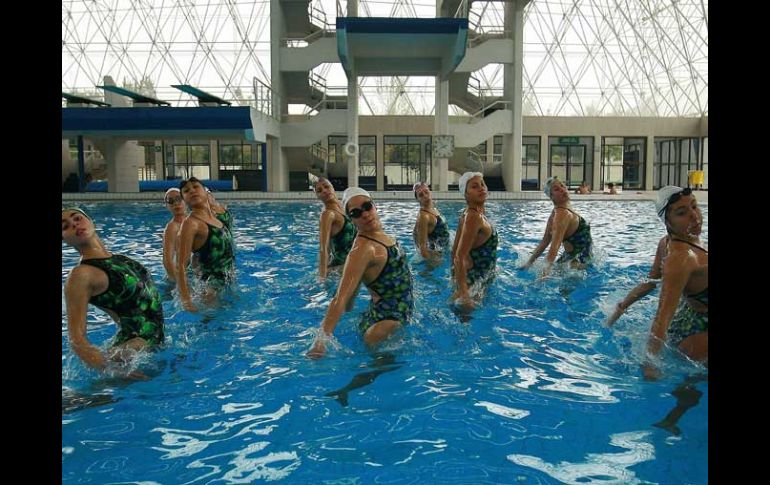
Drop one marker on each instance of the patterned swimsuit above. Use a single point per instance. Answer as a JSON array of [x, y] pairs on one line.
[[439, 238], [132, 296], [484, 259], [687, 321], [394, 286], [341, 242], [581, 243], [216, 257], [226, 218]]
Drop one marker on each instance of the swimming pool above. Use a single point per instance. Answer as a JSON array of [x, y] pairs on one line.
[[533, 389]]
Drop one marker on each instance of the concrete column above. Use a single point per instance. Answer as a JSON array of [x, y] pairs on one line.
[[514, 23], [543, 159], [159, 175], [596, 180], [440, 166], [649, 159], [380, 161], [278, 167], [352, 8], [214, 162], [277, 176], [352, 128], [123, 161]]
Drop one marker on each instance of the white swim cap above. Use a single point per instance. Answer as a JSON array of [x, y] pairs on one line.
[[351, 192], [664, 195], [548, 184], [465, 178]]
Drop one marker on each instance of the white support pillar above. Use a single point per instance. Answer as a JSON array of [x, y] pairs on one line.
[[439, 169], [596, 180], [123, 160], [214, 162], [159, 175], [649, 159], [352, 128], [543, 160], [514, 23], [277, 167]]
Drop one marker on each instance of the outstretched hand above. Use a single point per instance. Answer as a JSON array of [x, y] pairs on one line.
[[318, 350]]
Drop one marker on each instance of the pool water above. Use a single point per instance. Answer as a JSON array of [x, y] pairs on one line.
[[532, 388]]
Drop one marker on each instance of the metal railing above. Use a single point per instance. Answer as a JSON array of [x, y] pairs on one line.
[[480, 162], [483, 92], [483, 112], [263, 99]]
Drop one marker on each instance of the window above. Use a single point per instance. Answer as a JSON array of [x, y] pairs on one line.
[[407, 160], [530, 162], [367, 153], [188, 160], [673, 159], [238, 156], [612, 161]]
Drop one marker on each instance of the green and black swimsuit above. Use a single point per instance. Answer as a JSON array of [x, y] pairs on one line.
[[687, 321], [341, 242], [226, 218], [216, 257], [581, 242], [484, 258], [132, 296], [394, 286], [439, 238]]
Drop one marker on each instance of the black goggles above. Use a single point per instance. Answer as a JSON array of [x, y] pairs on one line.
[[674, 198], [365, 207]]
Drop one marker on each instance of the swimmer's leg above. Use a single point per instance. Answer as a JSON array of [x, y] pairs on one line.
[[380, 331]]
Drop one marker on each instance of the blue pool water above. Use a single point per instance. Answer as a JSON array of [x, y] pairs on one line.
[[532, 389]]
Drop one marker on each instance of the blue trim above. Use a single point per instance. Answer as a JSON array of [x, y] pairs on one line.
[[163, 185], [459, 50], [157, 118], [342, 46], [387, 25], [202, 95]]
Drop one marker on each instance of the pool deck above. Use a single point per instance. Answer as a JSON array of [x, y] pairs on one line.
[[702, 196]]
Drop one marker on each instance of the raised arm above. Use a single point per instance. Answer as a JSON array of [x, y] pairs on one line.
[[423, 221], [561, 220], [77, 292], [543, 244], [642, 289], [186, 237], [357, 262], [324, 234], [170, 236], [471, 227]]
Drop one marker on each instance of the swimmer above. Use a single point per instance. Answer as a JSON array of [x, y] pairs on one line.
[[117, 284], [378, 261], [335, 230]]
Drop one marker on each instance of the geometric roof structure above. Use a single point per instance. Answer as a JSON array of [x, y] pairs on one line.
[[581, 57]]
